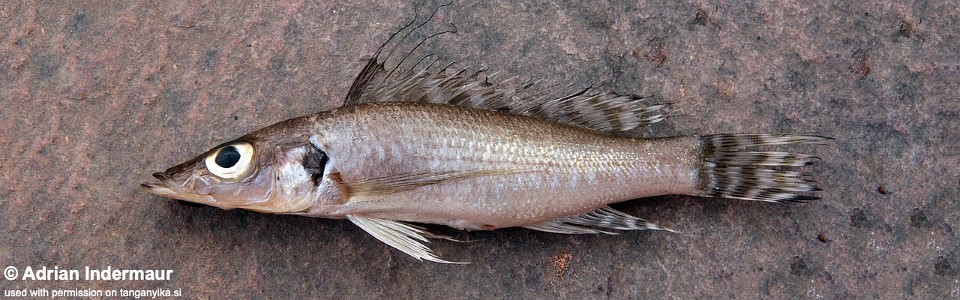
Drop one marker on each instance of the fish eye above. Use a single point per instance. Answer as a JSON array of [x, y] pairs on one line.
[[232, 161]]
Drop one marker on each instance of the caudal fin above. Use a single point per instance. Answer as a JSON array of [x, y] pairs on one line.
[[731, 170]]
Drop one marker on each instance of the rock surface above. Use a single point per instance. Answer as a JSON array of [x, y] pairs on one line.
[[95, 97]]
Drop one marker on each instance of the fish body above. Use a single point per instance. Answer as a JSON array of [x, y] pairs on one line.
[[440, 146], [504, 170]]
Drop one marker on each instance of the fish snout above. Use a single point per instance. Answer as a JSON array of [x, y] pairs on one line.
[[165, 187]]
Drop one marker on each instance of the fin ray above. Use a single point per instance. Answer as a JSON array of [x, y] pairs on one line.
[[408, 239], [607, 112], [602, 220], [730, 171], [411, 82]]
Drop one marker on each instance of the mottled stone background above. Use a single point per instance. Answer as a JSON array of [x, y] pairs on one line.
[[95, 96]]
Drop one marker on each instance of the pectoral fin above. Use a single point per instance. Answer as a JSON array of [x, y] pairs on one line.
[[603, 220], [404, 237]]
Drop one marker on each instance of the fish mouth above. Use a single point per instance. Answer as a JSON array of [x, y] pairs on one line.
[[167, 187]]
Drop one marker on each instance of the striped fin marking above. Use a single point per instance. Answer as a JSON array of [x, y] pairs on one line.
[[730, 171], [602, 111], [603, 220]]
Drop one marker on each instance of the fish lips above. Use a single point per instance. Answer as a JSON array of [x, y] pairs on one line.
[[170, 189]]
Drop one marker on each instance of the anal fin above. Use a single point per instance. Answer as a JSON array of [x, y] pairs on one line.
[[603, 220], [404, 237]]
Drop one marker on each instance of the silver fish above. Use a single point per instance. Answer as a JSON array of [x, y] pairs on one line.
[[447, 147]]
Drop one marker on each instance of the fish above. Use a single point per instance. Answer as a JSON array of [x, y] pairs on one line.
[[431, 144]]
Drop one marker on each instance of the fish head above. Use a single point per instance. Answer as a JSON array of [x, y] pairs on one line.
[[273, 170]]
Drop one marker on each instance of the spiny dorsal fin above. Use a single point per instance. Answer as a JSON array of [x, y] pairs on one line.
[[404, 237], [602, 220], [374, 74], [601, 111]]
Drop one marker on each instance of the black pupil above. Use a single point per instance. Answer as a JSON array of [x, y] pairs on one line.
[[228, 157]]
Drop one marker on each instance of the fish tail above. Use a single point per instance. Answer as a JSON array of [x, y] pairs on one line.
[[730, 170]]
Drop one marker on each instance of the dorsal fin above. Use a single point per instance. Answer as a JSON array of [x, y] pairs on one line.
[[367, 87], [425, 81], [602, 111]]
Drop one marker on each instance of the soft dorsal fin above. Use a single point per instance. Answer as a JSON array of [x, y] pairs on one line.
[[425, 81], [603, 220], [601, 111]]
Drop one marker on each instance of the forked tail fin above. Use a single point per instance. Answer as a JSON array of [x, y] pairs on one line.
[[731, 170]]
